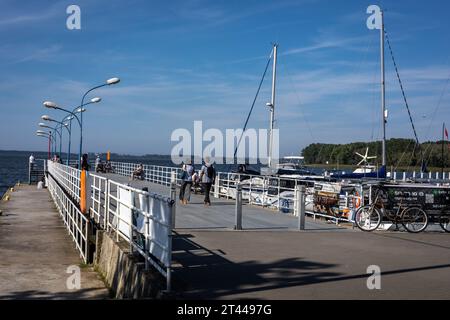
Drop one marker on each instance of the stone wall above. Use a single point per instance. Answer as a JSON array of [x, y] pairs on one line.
[[123, 273]]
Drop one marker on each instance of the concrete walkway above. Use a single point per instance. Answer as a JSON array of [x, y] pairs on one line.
[[272, 260], [310, 265], [221, 214], [36, 250]]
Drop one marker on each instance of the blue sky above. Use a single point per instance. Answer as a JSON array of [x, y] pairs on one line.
[[188, 60]]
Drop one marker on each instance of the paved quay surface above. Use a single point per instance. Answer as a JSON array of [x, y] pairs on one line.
[[36, 250], [311, 265], [271, 260], [221, 214]]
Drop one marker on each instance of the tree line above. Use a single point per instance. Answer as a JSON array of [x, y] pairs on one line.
[[399, 153]]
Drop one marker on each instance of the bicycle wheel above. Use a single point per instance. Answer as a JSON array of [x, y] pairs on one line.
[[414, 220], [444, 221], [368, 218]]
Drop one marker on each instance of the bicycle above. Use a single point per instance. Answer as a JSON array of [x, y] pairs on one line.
[[368, 218]]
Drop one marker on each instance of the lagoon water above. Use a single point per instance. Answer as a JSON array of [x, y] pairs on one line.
[[14, 165]]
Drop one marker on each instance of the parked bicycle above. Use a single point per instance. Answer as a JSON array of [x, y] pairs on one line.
[[411, 206]]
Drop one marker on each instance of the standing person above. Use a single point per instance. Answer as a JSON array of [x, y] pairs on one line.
[[84, 162], [97, 162], [186, 184], [31, 162], [207, 177]]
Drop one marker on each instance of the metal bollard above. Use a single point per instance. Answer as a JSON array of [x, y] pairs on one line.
[[300, 206], [173, 195], [238, 210]]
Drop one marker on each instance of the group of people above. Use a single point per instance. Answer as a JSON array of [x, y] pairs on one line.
[[103, 167], [206, 176]]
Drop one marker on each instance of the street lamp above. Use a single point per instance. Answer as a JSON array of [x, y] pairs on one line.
[[72, 115], [43, 125], [61, 124], [47, 135], [109, 82]]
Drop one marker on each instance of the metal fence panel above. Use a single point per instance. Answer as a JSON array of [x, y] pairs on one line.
[[76, 223], [67, 176]]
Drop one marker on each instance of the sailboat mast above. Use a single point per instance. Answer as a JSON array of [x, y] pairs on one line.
[[383, 91], [272, 104]]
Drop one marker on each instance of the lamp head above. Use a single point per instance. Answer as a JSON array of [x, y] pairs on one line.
[[49, 104], [46, 118], [112, 81], [96, 100]]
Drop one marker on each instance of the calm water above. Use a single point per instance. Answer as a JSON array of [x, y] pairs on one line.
[[13, 168]]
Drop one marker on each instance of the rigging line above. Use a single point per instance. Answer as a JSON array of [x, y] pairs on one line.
[[253, 104], [403, 93], [403, 155], [444, 91]]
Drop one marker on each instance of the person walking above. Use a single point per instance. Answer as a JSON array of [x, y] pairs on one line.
[[207, 177], [31, 162], [186, 182]]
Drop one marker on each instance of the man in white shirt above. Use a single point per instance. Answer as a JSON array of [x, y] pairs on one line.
[[31, 162]]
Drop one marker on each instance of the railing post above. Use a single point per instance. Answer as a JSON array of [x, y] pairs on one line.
[[106, 215], [300, 206], [173, 195], [217, 186], [238, 208], [144, 205], [131, 225]]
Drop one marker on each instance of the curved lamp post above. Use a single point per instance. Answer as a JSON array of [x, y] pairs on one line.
[[55, 129], [47, 135], [61, 124], [72, 115], [108, 82]]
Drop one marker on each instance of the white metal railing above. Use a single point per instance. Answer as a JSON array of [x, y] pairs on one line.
[[36, 170], [76, 223], [272, 192], [99, 194], [142, 219], [429, 176], [67, 176], [279, 193], [156, 174]]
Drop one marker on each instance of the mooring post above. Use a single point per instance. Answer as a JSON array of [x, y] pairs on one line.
[[173, 195], [300, 205], [238, 208]]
